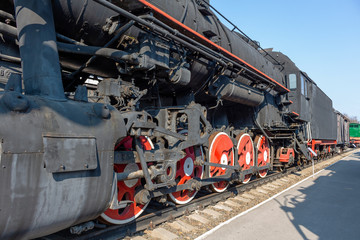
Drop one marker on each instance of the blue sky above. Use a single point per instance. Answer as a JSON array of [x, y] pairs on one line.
[[321, 36]]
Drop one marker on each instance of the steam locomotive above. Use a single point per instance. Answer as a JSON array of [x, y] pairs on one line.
[[106, 105]]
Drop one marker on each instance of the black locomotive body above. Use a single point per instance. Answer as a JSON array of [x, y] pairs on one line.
[[106, 105], [326, 129]]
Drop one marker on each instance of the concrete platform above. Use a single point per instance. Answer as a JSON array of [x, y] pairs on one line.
[[324, 207]]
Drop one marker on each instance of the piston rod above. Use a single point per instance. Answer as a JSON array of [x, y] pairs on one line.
[[131, 175]]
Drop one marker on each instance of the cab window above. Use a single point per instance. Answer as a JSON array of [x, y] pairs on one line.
[[292, 81], [304, 85]]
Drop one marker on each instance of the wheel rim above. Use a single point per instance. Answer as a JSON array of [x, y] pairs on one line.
[[126, 189], [221, 152], [186, 170], [245, 148], [263, 154]]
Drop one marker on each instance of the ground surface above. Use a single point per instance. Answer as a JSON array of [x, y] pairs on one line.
[[324, 207]]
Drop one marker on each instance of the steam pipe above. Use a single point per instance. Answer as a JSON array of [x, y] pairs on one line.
[[7, 15], [118, 35], [38, 49], [117, 55], [131, 175], [8, 30]]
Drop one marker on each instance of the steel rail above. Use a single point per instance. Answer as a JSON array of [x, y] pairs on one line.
[[156, 213], [157, 217]]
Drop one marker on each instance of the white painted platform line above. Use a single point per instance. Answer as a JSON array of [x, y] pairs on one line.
[[249, 210]]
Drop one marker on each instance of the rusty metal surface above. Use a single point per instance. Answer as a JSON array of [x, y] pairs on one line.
[[69, 154]]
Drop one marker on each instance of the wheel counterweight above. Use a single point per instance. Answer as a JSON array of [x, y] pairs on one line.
[[186, 170], [220, 152], [263, 154], [245, 149]]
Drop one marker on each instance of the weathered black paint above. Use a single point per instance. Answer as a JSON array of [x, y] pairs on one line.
[[315, 108], [57, 152]]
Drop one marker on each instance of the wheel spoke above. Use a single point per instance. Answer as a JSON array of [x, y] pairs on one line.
[[245, 152], [220, 152], [263, 154], [121, 193], [126, 189], [186, 171], [248, 145]]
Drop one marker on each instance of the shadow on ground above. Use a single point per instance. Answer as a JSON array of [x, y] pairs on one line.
[[330, 208]]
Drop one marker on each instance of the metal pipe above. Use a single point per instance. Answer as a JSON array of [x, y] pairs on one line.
[[131, 175], [114, 54], [69, 40], [10, 58], [79, 48], [188, 42], [7, 15], [259, 126], [8, 30], [117, 36], [38, 49]]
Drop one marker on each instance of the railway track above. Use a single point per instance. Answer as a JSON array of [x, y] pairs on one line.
[[169, 221]]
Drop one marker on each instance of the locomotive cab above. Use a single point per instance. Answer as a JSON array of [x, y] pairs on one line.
[[311, 107], [300, 94], [300, 86]]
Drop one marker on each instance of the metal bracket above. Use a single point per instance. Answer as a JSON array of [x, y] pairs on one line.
[[144, 167], [149, 184]]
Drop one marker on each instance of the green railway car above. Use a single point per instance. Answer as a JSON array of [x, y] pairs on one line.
[[354, 130]]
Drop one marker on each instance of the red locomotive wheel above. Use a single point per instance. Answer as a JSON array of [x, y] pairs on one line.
[[263, 154], [126, 189], [220, 152], [245, 149], [186, 170]]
